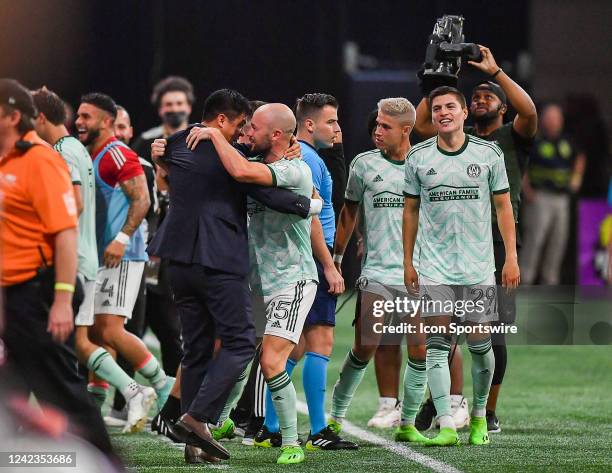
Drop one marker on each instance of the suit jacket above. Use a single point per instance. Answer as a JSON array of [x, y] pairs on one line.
[[207, 219]]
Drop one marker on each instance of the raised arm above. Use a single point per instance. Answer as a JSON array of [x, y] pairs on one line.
[[423, 125], [284, 200], [526, 120]]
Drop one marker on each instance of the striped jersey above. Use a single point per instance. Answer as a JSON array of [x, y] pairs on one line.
[[455, 245]]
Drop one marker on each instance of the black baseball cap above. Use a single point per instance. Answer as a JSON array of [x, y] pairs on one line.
[[493, 88], [15, 95]]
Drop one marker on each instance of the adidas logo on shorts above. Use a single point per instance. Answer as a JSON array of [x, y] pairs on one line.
[[431, 172], [276, 324], [378, 178]]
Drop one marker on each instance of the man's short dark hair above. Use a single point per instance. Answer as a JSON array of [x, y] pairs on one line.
[[172, 84], [101, 101], [311, 104], [372, 121], [50, 105], [227, 102], [255, 104], [445, 90]]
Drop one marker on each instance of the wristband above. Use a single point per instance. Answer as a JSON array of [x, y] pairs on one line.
[[316, 205], [338, 258], [496, 72], [122, 238], [64, 286]]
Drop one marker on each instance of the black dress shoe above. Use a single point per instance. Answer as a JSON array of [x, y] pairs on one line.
[[192, 432], [195, 454]]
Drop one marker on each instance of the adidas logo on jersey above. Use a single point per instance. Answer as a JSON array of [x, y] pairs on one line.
[[431, 172], [378, 178], [276, 324]]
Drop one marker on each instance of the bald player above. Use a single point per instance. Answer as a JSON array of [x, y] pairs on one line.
[[283, 275]]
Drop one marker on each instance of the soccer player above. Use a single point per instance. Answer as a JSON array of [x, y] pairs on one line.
[[449, 182], [489, 103], [317, 128], [122, 201], [50, 126], [376, 182], [283, 274]]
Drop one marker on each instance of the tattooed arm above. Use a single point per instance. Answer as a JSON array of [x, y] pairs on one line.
[[137, 193]]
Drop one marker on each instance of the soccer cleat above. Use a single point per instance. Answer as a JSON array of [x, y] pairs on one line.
[[267, 439], [425, 419], [163, 393], [459, 411], [446, 438], [493, 423], [224, 431], [251, 430], [387, 416], [164, 426], [138, 408], [335, 426], [116, 418], [291, 454], [409, 433], [478, 431], [328, 439]]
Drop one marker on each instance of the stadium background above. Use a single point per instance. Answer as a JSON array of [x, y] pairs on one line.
[[270, 50]]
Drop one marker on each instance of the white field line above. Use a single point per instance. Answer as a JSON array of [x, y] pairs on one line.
[[396, 448]]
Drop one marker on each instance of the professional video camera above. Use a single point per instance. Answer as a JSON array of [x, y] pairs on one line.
[[444, 53]]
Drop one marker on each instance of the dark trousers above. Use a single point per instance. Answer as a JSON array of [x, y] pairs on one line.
[[211, 304], [47, 368]]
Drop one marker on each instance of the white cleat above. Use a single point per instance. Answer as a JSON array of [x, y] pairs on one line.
[[387, 416], [459, 411], [116, 418], [138, 408]]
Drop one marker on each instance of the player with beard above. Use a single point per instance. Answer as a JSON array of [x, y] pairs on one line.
[[489, 104], [280, 250], [122, 201]]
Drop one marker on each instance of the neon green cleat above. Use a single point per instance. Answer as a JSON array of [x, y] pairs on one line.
[[335, 426], [446, 438], [409, 433], [478, 431], [225, 431], [291, 454]]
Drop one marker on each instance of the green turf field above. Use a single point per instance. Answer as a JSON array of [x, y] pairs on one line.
[[555, 410]]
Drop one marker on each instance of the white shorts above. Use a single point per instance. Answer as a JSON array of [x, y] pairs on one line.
[[284, 312], [85, 317], [117, 288], [474, 303]]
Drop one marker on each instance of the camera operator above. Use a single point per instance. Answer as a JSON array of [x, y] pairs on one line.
[[489, 103]]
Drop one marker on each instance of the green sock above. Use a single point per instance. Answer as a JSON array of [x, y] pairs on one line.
[[103, 365], [284, 400], [483, 365], [438, 375], [98, 391], [415, 382], [351, 374], [234, 395], [154, 373]]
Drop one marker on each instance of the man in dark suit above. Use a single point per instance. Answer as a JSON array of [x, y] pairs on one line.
[[204, 236]]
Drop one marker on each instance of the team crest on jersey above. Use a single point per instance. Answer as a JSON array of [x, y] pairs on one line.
[[473, 170]]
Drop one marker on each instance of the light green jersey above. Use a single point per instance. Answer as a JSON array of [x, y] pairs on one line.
[[377, 183], [279, 244], [455, 245], [81, 173]]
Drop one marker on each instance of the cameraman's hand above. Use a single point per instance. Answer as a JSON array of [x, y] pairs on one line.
[[488, 64]]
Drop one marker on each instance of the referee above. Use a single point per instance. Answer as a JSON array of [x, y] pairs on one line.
[[38, 236]]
